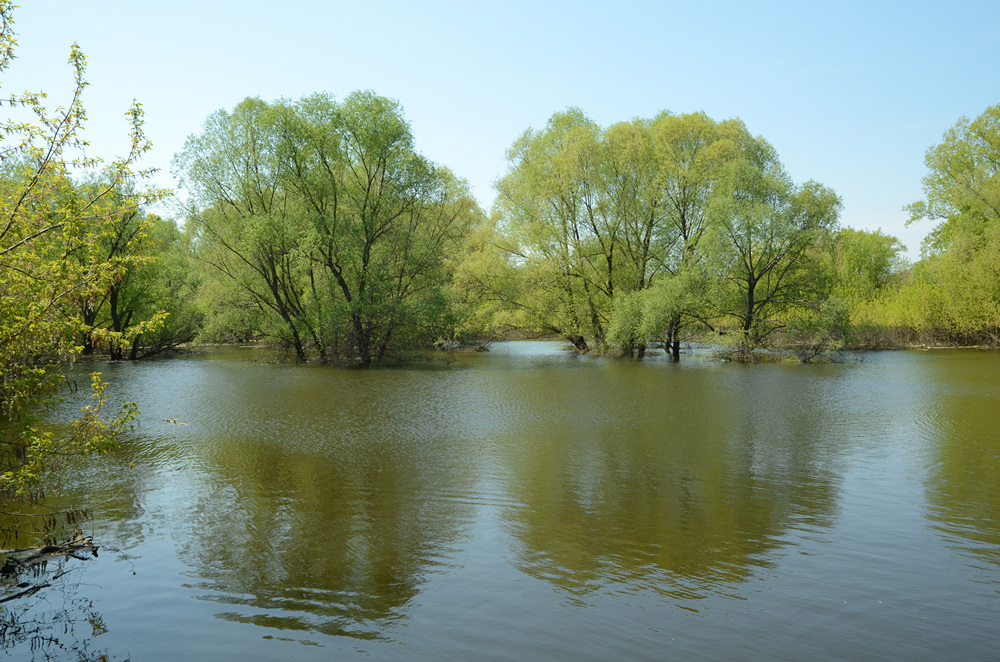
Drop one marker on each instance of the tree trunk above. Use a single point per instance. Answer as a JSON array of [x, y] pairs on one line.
[[673, 338], [362, 342], [579, 342]]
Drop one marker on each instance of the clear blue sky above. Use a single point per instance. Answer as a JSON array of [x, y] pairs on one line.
[[850, 93]]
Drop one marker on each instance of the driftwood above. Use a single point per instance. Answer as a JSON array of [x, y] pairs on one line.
[[19, 562]]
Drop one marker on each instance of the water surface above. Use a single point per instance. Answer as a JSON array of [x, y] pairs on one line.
[[527, 503]]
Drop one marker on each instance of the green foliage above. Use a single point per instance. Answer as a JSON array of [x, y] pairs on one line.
[[764, 241], [31, 455], [962, 186], [819, 334], [595, 220], [330, 232], [626, 236], [144, 309], [51, 231], [953, 293], [865, 264]]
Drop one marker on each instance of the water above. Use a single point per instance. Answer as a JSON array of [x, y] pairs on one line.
[[530, 504]]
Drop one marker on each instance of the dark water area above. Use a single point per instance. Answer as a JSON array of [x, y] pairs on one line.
[[530, 504]]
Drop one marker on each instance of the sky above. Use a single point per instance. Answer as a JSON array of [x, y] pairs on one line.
[[851, 94]]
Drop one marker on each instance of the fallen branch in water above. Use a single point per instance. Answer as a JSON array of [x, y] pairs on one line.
[[20, 561]]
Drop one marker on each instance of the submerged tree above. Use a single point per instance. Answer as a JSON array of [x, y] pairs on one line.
[[766, 235], [323, 215], [556, 232], [249, 231], [688, 156], [153, 280], [625, 236]]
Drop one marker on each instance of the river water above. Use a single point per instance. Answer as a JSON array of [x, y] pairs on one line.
[[529, 504]]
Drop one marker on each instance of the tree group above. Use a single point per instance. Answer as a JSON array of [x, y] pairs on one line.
[[622, 238], [315, 224], [323, 228]]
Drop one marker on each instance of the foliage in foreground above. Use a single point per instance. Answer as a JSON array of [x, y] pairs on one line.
[[51, 233]]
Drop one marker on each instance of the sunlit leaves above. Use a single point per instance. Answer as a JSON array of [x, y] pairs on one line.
[[322, 215], [51, 228]]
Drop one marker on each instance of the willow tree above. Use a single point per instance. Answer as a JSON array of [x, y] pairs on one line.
[[249, 231], [766, 233], [563, 249], [322, 213], [605, 225], [383, 219], [687, 155]]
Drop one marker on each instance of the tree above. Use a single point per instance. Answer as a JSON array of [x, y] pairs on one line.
[[688, 154], [865, 263], [557, 229], [962, 187], [765, 235], [626, 235], [249, 230], [325, 216], [149, 285], [962, 192], [48, 257]]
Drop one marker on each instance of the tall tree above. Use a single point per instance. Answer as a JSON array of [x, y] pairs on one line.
[[552, 215], [607, 228], [766, 231], [327, 217], [962, 193], [250, 232], [688, 154]]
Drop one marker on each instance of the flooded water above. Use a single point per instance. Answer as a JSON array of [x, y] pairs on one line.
[[528, 504]]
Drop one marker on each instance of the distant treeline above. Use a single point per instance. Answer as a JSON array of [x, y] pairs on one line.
[[316, 225]]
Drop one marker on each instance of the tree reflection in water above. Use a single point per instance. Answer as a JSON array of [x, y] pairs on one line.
[[962, 422], [57, 622], [336, 548], [680, 488]]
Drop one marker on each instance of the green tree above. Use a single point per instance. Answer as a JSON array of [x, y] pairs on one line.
[[249, 231], [687, 156], [962, 186], [766, 236], [325, 216], [151, 282], [864, 269], [626, 235], [865, 263], [48, 258], [557, 230], [962, 192]]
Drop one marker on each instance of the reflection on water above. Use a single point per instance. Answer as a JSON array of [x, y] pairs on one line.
[[529, 504], [663, 481], [963, 487], [57, 623], [335, 544]]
